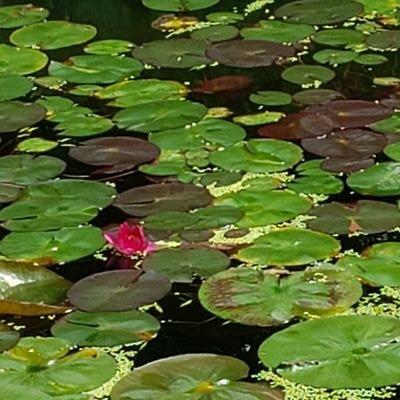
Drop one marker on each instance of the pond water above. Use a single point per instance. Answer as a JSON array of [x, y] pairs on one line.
[[199, 198]]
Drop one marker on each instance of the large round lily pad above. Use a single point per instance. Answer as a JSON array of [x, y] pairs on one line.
[[258, 155], [307, 74], [342, 352], [378, 180], [290, 246], [367, 216], [15, 60], [52, 35], [179, 5], [150, 199], [315, 12], [114, 154], [379, 264], [91, 69], [255, 297], [14, 86], [180, 265], [25, 169], [384, 40], [43, 366], [193, 377], [338, 37], [118, 290], [173, 53], [248, 53], [106, 328], [21, 14], [159, 115], [15, 115], [67, 244]]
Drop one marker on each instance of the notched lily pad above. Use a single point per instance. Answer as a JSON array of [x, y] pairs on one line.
[[15, 115], [20, 15]]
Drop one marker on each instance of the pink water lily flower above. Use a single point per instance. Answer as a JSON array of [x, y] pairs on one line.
[[130, 239]]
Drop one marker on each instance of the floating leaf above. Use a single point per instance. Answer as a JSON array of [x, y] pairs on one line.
[[338, 37], [334, 56], [108, 46], [21, 14], [9, 192], [316, 96], [118, 290], [52, 35], [370, 59], [179, 5], [393, 151], [388, 125], [180, 265], [224, 83], [15, 115], [255, 297], [346, 165], [307, 74], [217, 33], [271, 98], [8, 337], [384, 40], [321, 352], [266, 117], [14, 86], [289, 247], [36, 145], [106, 328]]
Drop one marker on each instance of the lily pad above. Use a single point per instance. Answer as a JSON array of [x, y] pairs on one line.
[[26, 169], [15, 60], [36, 145], [378, 180], [47, 248], [14, 86], [173, 53], [370, 59], [15, 115], [217, 33], [271, 98], [106, 328], [384, 40], [118, 290], [194, 376], [258, 155], [278, 31], [159, 115], [366, 216], [44, 366], [21, 14], [109, 46], [52, 35], [317, 13], [180, 265], [316, 96], [91, 69], [388, 125], [290, 247], [307, 74], [322, 352], [334, 56], [8, 337], [248, 53], [346, 165], [9, 192], [393, 151], [266, 117], [255, 297], [223, 84], [338, 37], [114, 154], [179, 5], [150, 199]]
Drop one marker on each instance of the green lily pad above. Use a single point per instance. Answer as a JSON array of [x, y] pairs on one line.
[[278, 31], [225, 17], [118, 290], [8, 337], [173, 53], [85, 90], [14, 86], [65, 245], [255, 297], [315, 12], [338, 37], [384, 40], [378, 180], [109, 46], [24, 285], [322, 352], [213, 34], [258, 155], [44, 366], [193, 377], [106, 328], [307, 74], [15, 60], [56, 205], [180, 265], [370, 59], [9, 192], [140, 91], [388, 125], [92, 69], [367, 216], [52, 35], [16, 115], [316, 96], [266, 117], [159, 115], [26, 169], [80, 125], [265, 206], [36, 145], [21, 14], [334, 56], [393, 151], [378, 266], [289, 247], [271, 98], [179, 5]]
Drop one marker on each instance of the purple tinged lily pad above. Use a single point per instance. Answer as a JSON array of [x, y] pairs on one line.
[[346, 165]]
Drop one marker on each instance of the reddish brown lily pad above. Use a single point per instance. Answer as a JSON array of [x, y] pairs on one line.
[[364, 216], [114, 154], [146, 200], [351, 143], [351, 113], [225, 83], [346, 165], [297, 126], [316, 96], [248, 53]]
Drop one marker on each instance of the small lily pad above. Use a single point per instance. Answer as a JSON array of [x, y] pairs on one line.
[[36, 145], [14, 86], [338, 37], [8, 337], [15, 115], [109, 46], [20, 15], [217, 33], [271, 98], [307, 74], [179, 5]]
